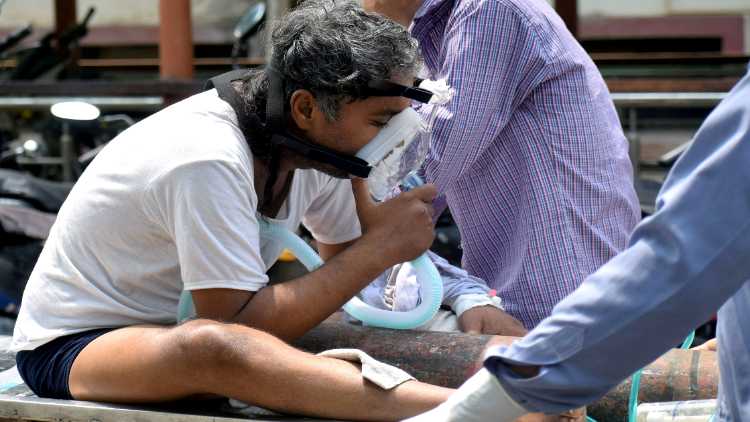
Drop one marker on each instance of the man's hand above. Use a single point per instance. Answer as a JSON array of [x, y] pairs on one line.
[[490, 320], [399, 229]]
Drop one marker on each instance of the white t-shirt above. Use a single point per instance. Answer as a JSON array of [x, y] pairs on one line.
[[168, 205]]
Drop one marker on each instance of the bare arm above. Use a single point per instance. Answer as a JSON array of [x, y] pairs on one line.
[[327, 251], [290, 309]]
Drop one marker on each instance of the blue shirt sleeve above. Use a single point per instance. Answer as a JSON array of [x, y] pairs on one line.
[[681, 265]]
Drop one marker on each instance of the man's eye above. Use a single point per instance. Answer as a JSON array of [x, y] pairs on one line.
[[378, 124]]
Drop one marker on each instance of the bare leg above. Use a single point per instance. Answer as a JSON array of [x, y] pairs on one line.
[[152, 364]]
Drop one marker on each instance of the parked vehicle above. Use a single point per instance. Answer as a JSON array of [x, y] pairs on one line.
[[50, 55], [249, 25], [13, 39], [28, 207]]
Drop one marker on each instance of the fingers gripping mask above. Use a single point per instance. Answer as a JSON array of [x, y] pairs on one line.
[[401, 146]]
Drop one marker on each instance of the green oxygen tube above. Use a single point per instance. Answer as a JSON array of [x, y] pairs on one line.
[[635, 385]]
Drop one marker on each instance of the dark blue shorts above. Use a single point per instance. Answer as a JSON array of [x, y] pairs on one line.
[[46, 369]]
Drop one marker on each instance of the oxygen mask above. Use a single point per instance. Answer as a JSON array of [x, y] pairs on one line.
[[401, 146]]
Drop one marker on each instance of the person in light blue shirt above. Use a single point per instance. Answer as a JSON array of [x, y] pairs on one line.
[[689, 259]]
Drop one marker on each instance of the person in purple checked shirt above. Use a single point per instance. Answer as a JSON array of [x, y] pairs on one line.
[[530, 155]]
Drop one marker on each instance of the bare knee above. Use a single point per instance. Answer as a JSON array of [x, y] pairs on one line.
[[199, 343], [215, 346]]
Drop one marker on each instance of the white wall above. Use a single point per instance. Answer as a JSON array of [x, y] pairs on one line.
[[226, 12], [622, 8], [710, 6], [16, 13], [661, 7]]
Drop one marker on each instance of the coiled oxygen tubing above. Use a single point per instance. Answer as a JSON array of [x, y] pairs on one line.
[[431, 292]]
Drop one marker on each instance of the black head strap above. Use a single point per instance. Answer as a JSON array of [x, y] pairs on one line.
[[275, 101], [247, 121], [391, 89], [223, 85], [275, 118], [276, 124]]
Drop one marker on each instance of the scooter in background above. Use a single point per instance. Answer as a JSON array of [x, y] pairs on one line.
[[14, 38], [79, 131], [24, 153], [51, 54], [28, 207], [249, 25]]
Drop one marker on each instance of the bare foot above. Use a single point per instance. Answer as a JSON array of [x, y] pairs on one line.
[[578, 415], [710, 345]]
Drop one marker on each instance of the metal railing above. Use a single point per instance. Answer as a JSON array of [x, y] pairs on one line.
[[628, 104], [151, 103]]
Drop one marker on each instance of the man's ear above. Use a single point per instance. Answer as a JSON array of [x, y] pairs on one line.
[[303, 109]]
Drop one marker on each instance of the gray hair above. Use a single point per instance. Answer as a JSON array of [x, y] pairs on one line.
[[334, 48]]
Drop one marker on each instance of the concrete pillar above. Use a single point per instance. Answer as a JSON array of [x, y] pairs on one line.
[[65, 17], [175, 40]]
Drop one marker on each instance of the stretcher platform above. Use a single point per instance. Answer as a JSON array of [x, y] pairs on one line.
[[445, 359], [18, 403]]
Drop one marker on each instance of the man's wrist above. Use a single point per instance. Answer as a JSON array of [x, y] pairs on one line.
[[370, 254], [375, 249]]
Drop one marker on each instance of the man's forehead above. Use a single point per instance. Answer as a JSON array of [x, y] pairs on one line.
[[388, 111], [385, 105]]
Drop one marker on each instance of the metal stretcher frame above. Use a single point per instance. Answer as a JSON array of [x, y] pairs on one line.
[[628, 103], [36, 409]]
